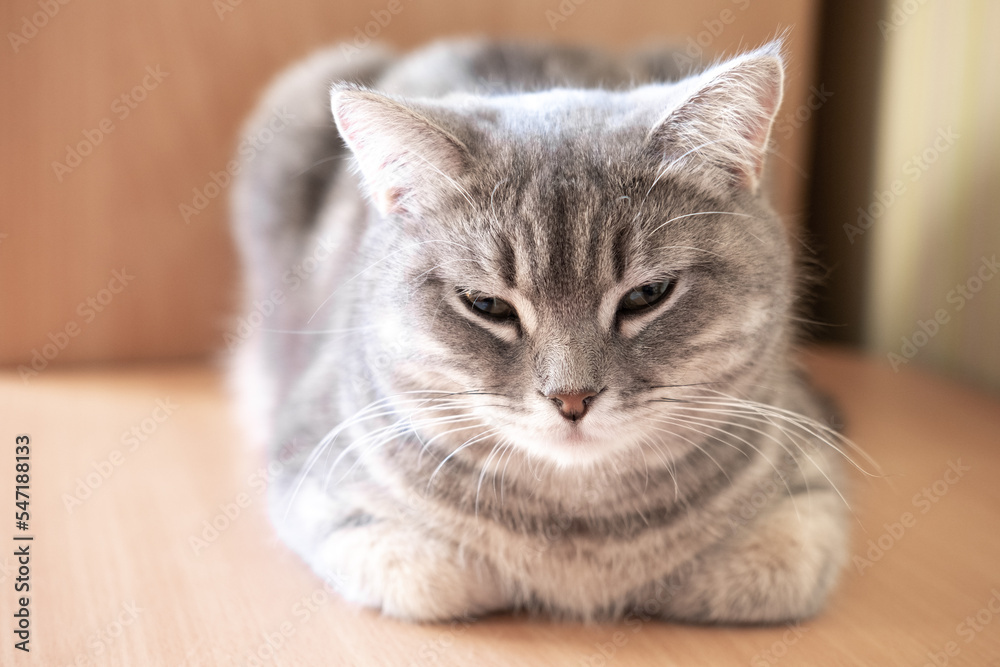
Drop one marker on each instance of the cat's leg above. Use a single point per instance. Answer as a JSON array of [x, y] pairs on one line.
[[407, 573], [777, 568], [380, 553]]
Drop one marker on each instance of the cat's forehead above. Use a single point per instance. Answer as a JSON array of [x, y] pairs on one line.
[[569, 229], [562, 211]]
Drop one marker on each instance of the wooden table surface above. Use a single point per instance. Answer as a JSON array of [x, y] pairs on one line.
[[130, 469]]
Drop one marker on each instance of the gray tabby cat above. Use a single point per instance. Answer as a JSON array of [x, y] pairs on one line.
[[524, 337]]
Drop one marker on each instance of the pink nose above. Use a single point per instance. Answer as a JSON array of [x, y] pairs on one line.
[[572, 406]]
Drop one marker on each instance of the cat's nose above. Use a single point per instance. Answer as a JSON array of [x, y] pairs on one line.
[[572, 405]]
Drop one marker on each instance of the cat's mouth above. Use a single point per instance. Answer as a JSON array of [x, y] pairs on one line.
[[572, 443]]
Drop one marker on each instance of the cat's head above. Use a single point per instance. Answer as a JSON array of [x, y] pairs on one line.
[[570, 258]]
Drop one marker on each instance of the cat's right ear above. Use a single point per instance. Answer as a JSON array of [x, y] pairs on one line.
[[404, 157], [724, 121]]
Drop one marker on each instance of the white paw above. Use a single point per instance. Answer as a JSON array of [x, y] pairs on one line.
[[407, 574]]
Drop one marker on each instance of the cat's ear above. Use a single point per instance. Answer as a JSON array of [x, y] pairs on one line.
[[724, 121], [404, 158]]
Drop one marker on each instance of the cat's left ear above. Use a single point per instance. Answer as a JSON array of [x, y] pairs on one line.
[[724, 121], [406, 159]]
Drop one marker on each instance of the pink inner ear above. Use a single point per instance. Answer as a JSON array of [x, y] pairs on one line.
[[390, 200], [346, 127], [757, 131], [358, 142], [393, 144], [374, 158]]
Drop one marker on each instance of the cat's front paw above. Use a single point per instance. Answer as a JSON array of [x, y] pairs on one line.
[[407, 573], [779, 568]]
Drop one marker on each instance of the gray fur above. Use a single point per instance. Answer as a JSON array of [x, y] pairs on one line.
[[418, 463]]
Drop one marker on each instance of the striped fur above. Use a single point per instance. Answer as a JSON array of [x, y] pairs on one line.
[[418, 464]]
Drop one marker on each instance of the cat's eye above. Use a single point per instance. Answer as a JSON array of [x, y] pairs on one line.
[[646, 296], [489, 306]]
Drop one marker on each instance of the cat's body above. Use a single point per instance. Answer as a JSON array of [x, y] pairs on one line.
[[491, 418]]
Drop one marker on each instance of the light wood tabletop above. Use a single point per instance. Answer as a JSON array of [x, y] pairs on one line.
[[152, 545]]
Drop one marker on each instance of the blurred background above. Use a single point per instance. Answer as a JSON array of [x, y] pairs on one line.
[[120, 118]]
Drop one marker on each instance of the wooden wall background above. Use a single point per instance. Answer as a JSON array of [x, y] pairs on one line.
[[63, 235]]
